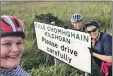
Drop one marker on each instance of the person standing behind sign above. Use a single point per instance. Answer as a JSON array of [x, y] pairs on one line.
[[12, 33], [101, 50], [76, 21]]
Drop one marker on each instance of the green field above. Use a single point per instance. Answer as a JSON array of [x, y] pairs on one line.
[[63, 10], [33, 60]]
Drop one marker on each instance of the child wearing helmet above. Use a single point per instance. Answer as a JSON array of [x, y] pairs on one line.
[[12, 33], [101, 50], [76, 21]]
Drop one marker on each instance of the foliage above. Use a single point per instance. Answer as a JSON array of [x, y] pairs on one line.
[[48, 19], [63, 10], [55, 71]]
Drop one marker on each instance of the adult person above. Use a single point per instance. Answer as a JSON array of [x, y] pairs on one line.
[[76, 21], [101, 50], [12, 33]]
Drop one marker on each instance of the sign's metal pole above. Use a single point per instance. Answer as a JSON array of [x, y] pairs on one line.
[[55, 61], [86, 74]]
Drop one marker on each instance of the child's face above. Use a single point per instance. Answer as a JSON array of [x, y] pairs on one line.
[[11, 51]]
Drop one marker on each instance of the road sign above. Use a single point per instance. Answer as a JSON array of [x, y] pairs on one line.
[[67, 45]]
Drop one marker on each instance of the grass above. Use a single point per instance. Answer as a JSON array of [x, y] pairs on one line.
[[27, 10]]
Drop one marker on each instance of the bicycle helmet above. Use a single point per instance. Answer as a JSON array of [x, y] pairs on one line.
[[92, 23], [11, 26], [76, 18]]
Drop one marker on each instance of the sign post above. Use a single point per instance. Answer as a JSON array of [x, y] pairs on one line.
[[55, 60], [67, 45], [86, 74]]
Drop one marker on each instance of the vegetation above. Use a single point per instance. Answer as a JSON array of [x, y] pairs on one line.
[[38, 63]]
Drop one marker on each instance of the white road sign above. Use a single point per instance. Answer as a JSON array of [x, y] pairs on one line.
[[67, 45]]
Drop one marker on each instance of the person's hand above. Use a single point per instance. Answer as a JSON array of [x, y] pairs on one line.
[[91, 50]]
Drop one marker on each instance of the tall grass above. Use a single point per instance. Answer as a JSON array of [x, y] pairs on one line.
[[90, 10]]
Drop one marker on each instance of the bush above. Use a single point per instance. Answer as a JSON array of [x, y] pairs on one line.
[[58, 70], [48, 19]]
